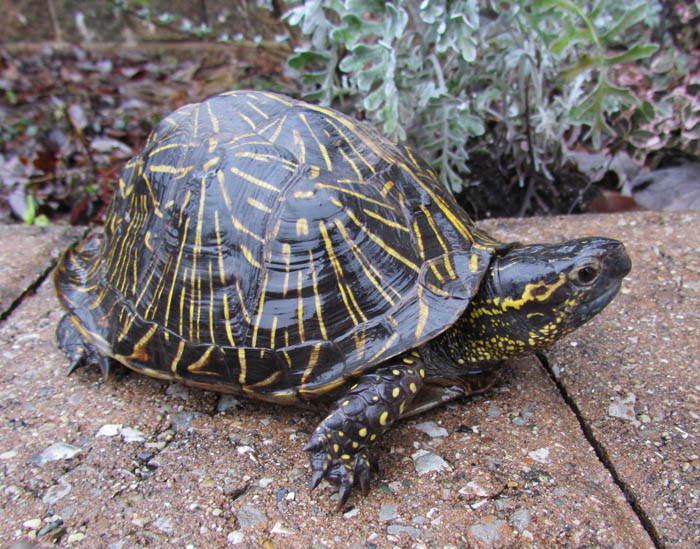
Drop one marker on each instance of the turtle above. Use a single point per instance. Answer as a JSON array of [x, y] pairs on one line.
[[271, 248]]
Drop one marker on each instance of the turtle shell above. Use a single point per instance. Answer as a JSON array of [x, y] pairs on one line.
[[265, 246]]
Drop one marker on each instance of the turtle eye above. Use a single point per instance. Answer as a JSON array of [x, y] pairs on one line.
[[586, 275]]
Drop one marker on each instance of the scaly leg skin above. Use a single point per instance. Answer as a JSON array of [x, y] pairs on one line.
[[79, 351], [339, 445]]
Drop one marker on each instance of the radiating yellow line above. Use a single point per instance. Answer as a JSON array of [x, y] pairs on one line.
[[321, 146], [219, 249], [313, 360], [249, 257], [349, 142], [439, 201], [317, 298], [422, 314], [183, 241], [183, 295], [178, 356], [383, 350], [197, 249], [257, 109], [352, 164], [167, 168], [196, 367], [254, 180], [211, 305], [380, 242], [338, 271], [258, 205], [261, 305], [361, 260], [300, 306], [213, 118], [246, 314], [247, 119], [388, 222], [166, 147], [276, 97], [227, 320], [355, 194], [433, 226], [301, 146]]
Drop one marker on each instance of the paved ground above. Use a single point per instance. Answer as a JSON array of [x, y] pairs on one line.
[[597, 447]]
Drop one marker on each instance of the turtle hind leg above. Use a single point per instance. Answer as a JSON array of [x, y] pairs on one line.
[[79, 351], [339, 447]]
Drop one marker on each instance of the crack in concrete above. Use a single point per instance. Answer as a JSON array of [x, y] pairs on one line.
[[603, 457], [28, 291]]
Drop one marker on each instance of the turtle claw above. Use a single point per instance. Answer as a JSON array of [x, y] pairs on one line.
[[343, 495], [345, 471], [316, 478], [79, 351]]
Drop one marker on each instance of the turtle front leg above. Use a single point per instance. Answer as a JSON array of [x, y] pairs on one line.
[[78, 351], [339, 445]]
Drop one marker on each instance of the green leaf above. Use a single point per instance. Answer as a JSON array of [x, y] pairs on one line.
[[302, 59], [584, 63], [631, 17], [635, 52]]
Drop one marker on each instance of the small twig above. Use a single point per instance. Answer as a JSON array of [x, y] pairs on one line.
[[530, 192], [54, 21]]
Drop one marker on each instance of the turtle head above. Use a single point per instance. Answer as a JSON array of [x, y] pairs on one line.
[[533, 295]]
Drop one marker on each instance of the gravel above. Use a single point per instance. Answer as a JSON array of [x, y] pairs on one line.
[[58, 450]]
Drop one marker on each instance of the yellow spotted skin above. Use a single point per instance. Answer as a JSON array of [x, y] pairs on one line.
[[267, 247]]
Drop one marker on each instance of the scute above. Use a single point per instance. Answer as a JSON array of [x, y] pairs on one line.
[[265, 246]]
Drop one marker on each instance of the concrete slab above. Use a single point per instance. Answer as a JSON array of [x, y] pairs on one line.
[[141, 462], [27, 253], [634, 375]]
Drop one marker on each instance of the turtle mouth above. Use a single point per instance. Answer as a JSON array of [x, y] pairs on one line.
[[593, 307]]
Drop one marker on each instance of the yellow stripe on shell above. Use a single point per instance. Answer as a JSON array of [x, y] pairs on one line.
[[243, 367], [254, 180], [227, 321], [345, 291], [177, 357], [380, 242], [321, 146], [317, 298], [311, 364], [197, 366], [441, 241], [183, 241], [257, 109], [261, 305], [364, 263], [300, 306]]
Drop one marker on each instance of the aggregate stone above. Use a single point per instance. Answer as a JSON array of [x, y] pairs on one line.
[[56, 493], [388, 511], [489, 532], [427, 462], [623, 407], [431, 429], [249, 516], [226, 402], [58, 450], [396, 529], [520, 519], [164, 524]]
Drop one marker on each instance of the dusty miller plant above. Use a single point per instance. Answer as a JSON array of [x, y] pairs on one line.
[[522, 75]]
